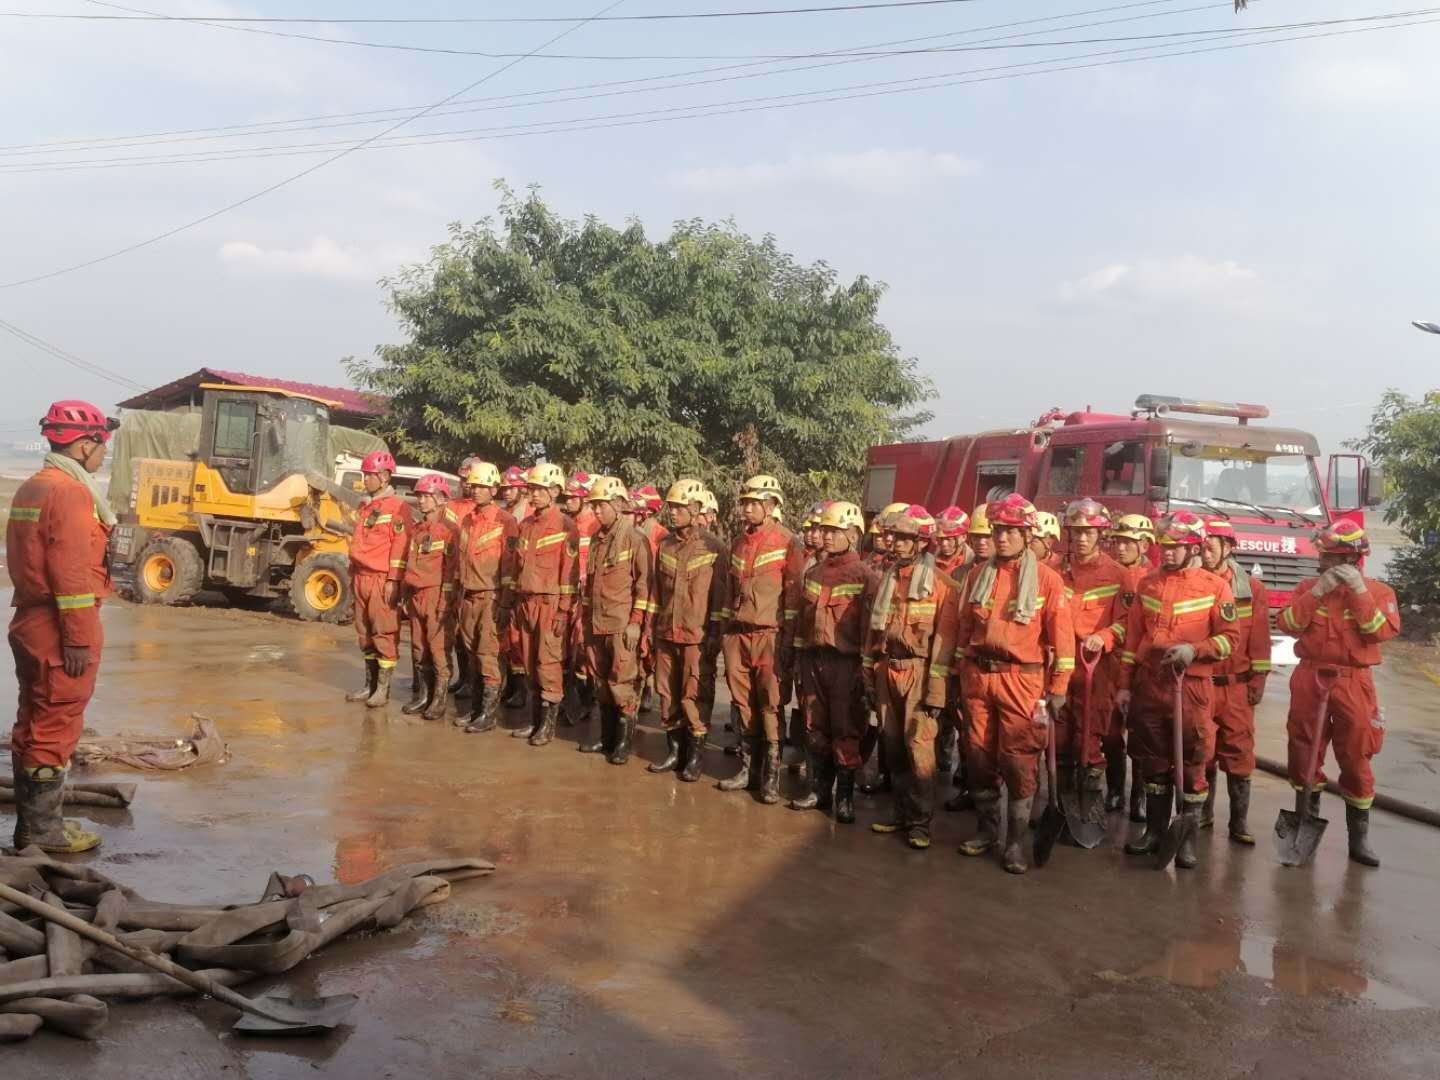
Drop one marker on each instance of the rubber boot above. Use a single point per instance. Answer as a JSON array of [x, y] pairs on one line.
[[606, 738], [1187, 858], [694, 758], [814, 778], [372, 673], [987, 811], [39, 805], [770, 775], [1238, 788], [647, 698], [1017, 826], [1157, 821], [517, 694], [1137, 796], [1114, 781], [381, 697], [823, 781], [1207, 812], [484, 709], [746, 752], [796, 738], [545, 728], [462, 686], [1357, 824], [673, 740], [424, 692], [845, 796], [438, 707], [883, 782], [532, 711], [626, 737]]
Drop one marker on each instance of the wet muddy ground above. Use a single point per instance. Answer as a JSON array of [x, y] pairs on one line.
[[637, 926]]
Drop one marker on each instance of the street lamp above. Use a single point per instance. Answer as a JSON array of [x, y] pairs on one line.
[[1428, 327]]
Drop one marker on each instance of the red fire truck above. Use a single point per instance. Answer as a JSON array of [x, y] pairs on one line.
[[1168, 453]]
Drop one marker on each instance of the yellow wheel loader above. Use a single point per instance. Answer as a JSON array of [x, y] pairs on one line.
[[254, 513]]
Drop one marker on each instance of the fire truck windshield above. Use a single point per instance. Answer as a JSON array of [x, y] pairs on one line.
[[1239, 478]]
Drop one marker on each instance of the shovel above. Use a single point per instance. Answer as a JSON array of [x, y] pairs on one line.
[[1297, 835], [1052, 821], [1084, 814], [268, 1016], [1181, 826]]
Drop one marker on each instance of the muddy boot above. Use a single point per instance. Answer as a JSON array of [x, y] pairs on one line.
[[1238, 788], [372, 672], [647, 699], [673, 740], [438, 708], [770, 775], [883, 782], [626, 737], [532, 710], [1187, 858], [1158, 800], [1017, 826], [602, 743], [815, 778], [845, 796], [1207, 812], [484, 709], [1357, 824], [545, 729], [381, 697], [517, 694], [424, 692], [694, 758], [746, 751], [823, 781], [1114, 782], [461, 687], [918, 838], [1137, 796], [39, 802], [987, 810]]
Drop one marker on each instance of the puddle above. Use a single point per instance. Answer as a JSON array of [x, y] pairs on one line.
[[1200, 965]]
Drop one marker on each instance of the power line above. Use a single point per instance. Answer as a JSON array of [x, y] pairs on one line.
[[69, 358], [287, 181], [751, 105], [644, 84]]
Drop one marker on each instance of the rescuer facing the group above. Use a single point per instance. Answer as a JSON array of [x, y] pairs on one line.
[[55, 543], [377, 563], [1339, 618], [1182, 623]]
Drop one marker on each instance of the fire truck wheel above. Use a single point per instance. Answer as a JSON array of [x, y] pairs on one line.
[[169, 571], [320, 589]]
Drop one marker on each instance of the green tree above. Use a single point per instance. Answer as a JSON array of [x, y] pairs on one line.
[[706, 354], [1404, 438]]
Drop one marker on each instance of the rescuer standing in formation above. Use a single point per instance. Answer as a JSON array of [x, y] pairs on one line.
[[429, 594], [1130, 539], [55, 545], [484, 561], [377, 564], [1339, 620]]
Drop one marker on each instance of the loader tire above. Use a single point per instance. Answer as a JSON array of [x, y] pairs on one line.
[[320, 589], [169, 571]]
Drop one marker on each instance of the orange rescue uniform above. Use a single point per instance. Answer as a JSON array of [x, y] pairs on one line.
[[689, 595], [1234, 676], [616, 596], [484, 553], [377, 556], [428, 595], [761, 601], [1095, 593], [547, 563], [830, 635]]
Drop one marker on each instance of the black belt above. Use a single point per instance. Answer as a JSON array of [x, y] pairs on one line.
[[1004, 667], [477, 592], [1226, 680]]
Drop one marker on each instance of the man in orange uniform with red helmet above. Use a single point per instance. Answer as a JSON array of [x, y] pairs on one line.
[[55, 544], [483, 577], [953, 558], [546, 587], [762, 597], [1095, 587], [1000, 629], [1180, 626], [429, 595], [1239, 681], [1339, 618], [645, 505], [377, 563], [515, 500], [578, 687], [1130, 538], [456, 510]]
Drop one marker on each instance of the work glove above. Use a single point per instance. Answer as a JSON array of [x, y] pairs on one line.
[[1181, 656], [1093, 643], [1350, 577], [77, 660], [1326, 582], [931, 711], [632, 637], [391, 594], [1255, 691], [1122, 701], [1054, 703]]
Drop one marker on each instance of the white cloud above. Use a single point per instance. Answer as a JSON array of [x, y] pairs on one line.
[[876, 169], [1358, 81], [1178, 278], [322, 258]]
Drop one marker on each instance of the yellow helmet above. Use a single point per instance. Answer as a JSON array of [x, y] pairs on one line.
[[685, 492], [605, 488], [776, 514], [842, 515], [708, 503], [980, 521], [880, 520], [1047, 526], [545, 475], [762, 487], [1133, 527], [482, 473]]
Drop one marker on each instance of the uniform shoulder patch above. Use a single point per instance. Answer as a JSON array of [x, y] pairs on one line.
[[1227, 611]]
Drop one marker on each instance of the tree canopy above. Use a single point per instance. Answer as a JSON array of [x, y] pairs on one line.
[[707, 354]]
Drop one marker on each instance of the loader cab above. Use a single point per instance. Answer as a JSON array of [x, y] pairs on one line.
[[254, 438]]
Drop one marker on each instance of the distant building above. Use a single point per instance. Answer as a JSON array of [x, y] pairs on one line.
[[352, 408]]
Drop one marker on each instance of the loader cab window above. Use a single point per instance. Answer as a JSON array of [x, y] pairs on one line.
[[1123, 471], [232, 445], [1067, 468], [295, 440], [995, 480]]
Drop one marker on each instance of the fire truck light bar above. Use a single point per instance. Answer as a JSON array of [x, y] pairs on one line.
[[1158, 403]]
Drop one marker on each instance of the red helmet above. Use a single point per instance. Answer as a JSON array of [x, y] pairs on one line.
[[1181, 527], [914, 520], [378, 461], [1343, 537], [515, 476], [1013, 511], [646, 498], [1086, 514], [578, 486], [71, 421], [952, 521], [1218, 526], [432, 484]]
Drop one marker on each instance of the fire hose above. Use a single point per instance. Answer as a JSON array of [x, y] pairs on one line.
[[1414, 812]]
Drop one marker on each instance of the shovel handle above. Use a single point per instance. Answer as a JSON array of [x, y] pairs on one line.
[[163, 964], [1087, 668], [1177, 748], [1324, 683]]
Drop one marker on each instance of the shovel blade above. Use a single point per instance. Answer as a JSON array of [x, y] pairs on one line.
[[1051, 825], [1180, 828], [297, 1016], [1296, 837]]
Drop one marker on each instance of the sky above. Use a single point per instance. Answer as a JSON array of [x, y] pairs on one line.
[[1256, 224]]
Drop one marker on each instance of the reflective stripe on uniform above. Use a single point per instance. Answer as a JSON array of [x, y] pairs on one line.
[[1118, 629], [852, 589], [1261, 666], [1370, 625], [1152, 603], [1222, 645], [75, 601], [25, 513], [769, 557], [701, 560], [547, 541], [1064, 663], [1103, 592], [1189, 607]]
